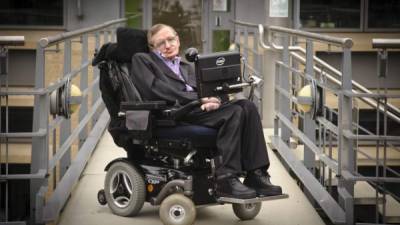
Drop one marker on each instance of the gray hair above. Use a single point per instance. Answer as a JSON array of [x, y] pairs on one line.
[[155, 29]]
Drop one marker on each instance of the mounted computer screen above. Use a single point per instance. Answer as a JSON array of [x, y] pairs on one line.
[[219, 69]]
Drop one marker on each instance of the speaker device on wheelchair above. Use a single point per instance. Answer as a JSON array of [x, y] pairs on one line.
[[169, 163]]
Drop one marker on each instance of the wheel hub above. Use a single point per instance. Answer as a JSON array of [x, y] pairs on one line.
[[249, 206], [177, 212], [121, 189]]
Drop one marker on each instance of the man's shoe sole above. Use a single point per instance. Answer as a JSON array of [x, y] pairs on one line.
[[218, 195], [261, 193]]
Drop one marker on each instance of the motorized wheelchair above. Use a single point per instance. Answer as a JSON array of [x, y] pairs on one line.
[[177, 171]]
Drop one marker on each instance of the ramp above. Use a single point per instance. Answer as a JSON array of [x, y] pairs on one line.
[[83, 207]]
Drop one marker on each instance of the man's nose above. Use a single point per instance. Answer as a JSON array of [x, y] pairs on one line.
[[167, 44]]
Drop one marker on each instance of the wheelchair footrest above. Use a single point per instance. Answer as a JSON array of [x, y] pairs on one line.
[[251, 200]]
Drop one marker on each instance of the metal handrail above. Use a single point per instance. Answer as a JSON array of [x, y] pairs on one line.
[[344, 42], [12, 40], [48, 210], [51, 40], [341, 42], [48, 41], [356, 85], [385, 43], [341, 83]]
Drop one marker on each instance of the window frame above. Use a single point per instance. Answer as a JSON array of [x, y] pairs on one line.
[[368, 29], [41, 27], [363, 24]]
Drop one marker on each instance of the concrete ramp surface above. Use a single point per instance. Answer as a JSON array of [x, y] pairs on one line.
[[83, 208]]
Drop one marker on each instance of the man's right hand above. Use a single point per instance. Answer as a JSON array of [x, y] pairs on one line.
[[210, 103]]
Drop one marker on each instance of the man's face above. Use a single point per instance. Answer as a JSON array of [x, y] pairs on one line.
[[167, 42]]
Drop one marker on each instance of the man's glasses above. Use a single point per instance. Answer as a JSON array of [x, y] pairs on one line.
[[162, 44]]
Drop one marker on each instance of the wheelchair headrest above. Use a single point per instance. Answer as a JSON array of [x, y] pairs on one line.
[[129, 42]]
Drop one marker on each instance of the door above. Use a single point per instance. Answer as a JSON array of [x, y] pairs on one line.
[[220, 30], [203, 24], [185, 16]]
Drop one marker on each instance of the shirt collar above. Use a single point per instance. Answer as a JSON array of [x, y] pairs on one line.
[[175, 61]]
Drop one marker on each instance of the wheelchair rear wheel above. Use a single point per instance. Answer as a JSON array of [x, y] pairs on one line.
[[177, 209], [246, 211], [124, 189]]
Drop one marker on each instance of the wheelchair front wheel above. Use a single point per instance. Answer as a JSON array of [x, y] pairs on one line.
[[177, 209], [246, 211], [124, 189]]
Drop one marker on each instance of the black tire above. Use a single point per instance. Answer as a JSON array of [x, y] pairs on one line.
[[246, 211], [124, 189], [101, 197], [177, 209]]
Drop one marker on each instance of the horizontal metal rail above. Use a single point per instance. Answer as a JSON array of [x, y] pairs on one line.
[[67, 143], [39, 175], [38, 91], [48, 41], [345, 42], [309, 77], [350, 135], [328, 161], [385, 43], [328, 125], [57, 200], [341, 42], [45, 204], [348, 176], [325, 200], [39, 133], [393, 113], [12, 40], [329, 79]]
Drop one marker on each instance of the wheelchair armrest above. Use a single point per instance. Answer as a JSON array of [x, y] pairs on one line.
[[169, 114], [149, 105], [177, 112]]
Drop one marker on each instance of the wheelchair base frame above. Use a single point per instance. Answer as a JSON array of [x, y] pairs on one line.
[[251, 200]]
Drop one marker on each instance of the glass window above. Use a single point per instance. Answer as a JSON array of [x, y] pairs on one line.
[[220, 40], [133, 8], [184, 16], [330, 14], [383, 14], [31, 12]]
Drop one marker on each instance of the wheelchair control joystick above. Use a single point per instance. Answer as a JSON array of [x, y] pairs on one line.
[[191, 54]]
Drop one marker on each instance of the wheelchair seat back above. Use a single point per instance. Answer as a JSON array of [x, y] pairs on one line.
[[114, 62]]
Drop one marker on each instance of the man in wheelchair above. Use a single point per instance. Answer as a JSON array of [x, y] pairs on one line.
[[175, 141], [161, 75]]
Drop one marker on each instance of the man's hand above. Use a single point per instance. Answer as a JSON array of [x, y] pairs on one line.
[[210, 104], [210, 99]]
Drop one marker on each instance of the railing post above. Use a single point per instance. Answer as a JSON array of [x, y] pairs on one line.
[[40, 147], [309, 125], [4, 79], [113, 35], [237, 35], [246, 43], [284, 102], [83, 86], [96, 73], [346, 152], [65, 128], [276, 98], [257, 67]]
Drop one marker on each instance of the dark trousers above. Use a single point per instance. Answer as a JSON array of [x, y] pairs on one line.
[[240, 138]]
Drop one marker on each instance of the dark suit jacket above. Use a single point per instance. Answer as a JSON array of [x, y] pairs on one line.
[[156, 81]]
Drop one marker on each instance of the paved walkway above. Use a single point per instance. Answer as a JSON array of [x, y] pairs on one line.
[[83, 208]]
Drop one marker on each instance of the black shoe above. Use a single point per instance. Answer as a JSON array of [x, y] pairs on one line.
[[232, 187], [259, 180]]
